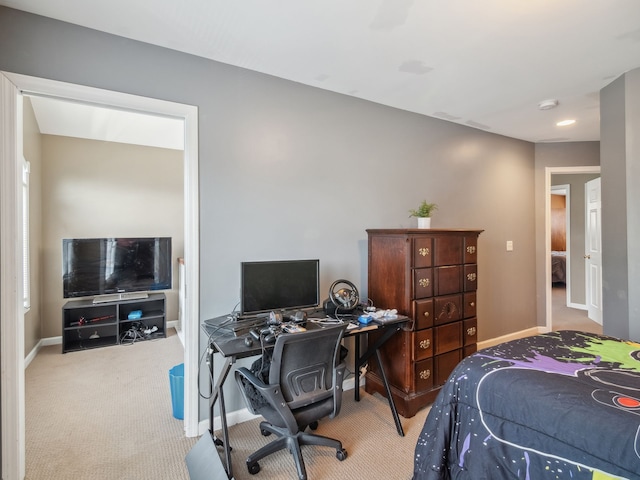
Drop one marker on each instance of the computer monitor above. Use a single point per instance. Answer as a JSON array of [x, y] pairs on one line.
[[279, 285]]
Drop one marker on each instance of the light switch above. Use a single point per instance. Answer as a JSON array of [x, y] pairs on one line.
[[509, 245]]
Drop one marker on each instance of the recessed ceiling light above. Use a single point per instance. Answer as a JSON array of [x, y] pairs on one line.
[[564, 123], [548, 104]]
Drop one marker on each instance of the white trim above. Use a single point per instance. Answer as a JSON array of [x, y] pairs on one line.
[[11, 304], [548, 171], [244, 415], [44, 342], [12, 353], [529, 332]]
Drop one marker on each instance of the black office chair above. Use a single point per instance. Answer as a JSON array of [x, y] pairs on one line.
[[305, 385]]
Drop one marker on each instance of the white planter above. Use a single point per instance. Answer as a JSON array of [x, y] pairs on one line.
[[424, 222]]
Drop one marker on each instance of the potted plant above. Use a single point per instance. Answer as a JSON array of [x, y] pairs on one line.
[[423, 213]]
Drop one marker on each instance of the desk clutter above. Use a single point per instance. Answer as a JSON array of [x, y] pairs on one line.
[[264, 329], [233, 343]]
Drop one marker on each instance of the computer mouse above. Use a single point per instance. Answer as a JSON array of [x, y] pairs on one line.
[[248, 341]]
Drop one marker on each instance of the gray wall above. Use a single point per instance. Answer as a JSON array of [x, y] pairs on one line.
[[291, 171], [32, 149], [620, 151], [106, 189]]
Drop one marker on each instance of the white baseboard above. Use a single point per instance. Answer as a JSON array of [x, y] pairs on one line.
[[43, 342], [512, 336], [172, 324], [578, 306], [243, 415]]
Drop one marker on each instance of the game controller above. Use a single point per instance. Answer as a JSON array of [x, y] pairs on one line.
[[268, 335], [254, 333]]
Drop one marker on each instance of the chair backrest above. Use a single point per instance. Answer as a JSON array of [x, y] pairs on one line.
[[304, 364]]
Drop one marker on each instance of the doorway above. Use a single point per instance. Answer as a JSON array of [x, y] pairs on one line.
[[12, 338], [567, 300]]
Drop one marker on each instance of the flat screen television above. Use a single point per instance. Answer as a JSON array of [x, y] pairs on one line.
[[279, 285], [99, 266]]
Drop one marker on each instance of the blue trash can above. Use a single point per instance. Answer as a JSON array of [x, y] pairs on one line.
[[176, 381]]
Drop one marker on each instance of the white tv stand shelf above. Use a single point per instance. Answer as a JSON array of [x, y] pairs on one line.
[[86, 324]]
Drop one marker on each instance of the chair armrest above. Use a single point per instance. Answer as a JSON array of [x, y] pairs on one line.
[[338, 378], [272, 394]]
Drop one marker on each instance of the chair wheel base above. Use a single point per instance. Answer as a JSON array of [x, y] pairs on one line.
[[253, 468], [341, 454]]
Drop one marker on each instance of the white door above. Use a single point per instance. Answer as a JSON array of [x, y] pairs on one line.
[[593, 247]]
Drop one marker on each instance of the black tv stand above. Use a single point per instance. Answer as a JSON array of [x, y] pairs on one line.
[[86, 324]]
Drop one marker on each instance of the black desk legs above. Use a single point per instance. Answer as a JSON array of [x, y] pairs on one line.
[[359, 363], [375, 348], [218, 395], [392, 404]]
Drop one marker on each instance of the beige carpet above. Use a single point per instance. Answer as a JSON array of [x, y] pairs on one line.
[[567, 318], [366, 429], [106, 414]]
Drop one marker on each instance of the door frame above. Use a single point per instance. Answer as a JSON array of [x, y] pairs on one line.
[[11, 324], [548, 171], [591, 311]]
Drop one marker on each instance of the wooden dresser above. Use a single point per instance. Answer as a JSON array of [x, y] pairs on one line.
[[430, 276]]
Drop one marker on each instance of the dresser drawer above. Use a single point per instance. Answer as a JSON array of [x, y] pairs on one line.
[[470, 331], [469, 305], [422, 252], [469, 350], [422, 313], [471, 249], [447, 337], [448, 280], [447, 309], [422, 283], [470, 278], [423, 344], [444, 364], [448, 250], [423, 375]]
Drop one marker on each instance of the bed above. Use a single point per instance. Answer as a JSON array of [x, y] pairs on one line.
[[558, 267], [561, 405]]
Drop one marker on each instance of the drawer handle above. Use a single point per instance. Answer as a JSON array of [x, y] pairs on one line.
[[424, 282], [424, 251], [471, 249], [426, 314], [471, 277], [471, 331], [472, 304], [424, 344], [425, 374]]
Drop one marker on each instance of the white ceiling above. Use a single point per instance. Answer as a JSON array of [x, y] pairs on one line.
[[72, 119], [486, 64]]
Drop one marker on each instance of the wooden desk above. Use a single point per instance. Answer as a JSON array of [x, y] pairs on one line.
[[231, 347]]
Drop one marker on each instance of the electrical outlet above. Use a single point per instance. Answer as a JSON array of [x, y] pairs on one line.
[[509, 245]]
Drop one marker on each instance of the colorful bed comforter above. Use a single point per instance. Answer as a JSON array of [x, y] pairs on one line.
[[562, 405]]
